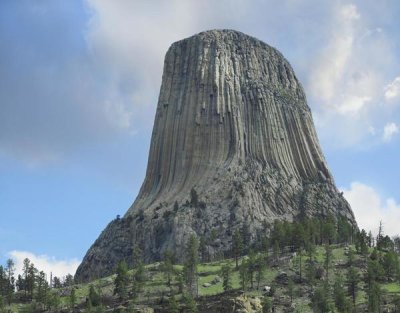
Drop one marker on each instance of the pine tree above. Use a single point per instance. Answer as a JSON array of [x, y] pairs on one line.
[[139, 275], [173, 306], [68, 281], [194, 198], [56, 282], [352, 283], [190, 264], [266, 305], [251, 267], [53, 301], [374, 297], [190, 303], [290, 290], [94, 297], [30, 280], [328, 259], [341, 302], [167, 266], [25, 270], [72, 299], [42, 288], [320, 300], [226, 277], [243, 274], [121, 281], [260, 269], [237, 246], [10, 269]]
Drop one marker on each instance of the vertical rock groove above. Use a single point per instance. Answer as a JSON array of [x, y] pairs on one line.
[[232, 122]]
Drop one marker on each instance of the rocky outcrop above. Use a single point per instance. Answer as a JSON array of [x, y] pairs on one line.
[[233, 144]]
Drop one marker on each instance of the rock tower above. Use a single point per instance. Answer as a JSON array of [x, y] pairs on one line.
[[233, 144]]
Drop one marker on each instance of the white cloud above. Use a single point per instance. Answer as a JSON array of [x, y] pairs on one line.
[[352, 104], [332, 64], [370, 207], [389, 131], [44, 263], [347, 79], [392, 90]]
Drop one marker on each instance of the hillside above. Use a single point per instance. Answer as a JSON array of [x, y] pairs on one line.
[[322, 278]]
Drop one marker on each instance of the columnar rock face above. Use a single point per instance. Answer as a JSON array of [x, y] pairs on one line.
[[233, 128]]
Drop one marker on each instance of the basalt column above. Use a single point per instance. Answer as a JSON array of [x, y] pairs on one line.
[[233, 144]]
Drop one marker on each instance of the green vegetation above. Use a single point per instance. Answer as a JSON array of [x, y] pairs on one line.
[[311, 265]]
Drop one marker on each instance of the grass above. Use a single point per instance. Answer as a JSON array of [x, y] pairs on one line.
[[393, 288], [155, 286]]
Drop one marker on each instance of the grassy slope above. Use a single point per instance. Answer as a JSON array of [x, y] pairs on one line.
[[155, 286]]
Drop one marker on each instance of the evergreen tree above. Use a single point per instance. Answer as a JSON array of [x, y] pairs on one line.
[[121, 281], [167, 266], [68, 281], [25, 270], [10, 287], [2, 305], [57, 282], [20, 283], [379, 237], [42, 288], [94, 299], [251, 267], [310, 272], [226, 277], [352, 283], [203, 248], [260, 269], [244, 275], [72, 299], [194, 198], [30, 280], [328, 259], [374, 297], [266, 305], [341, 302], [396, 242], [237, 246], [290, 290], [300, 258], [139, 275], [390, 264], [320, 300], [3, 281], [173, 306], [190, 303], [53, 301], [190, 264]]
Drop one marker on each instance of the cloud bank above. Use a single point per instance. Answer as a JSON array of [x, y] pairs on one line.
[[370, 208], [59, 268], [73, 79]]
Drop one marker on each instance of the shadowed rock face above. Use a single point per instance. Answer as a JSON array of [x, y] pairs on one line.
[[233, 124]]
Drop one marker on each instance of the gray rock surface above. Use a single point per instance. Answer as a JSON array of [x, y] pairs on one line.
[[233, 124]]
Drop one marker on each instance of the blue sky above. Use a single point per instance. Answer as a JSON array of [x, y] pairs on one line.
[[79, 86]]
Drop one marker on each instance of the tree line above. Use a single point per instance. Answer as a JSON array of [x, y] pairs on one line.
[[32, 286]]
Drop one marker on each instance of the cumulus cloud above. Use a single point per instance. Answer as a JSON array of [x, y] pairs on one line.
[[348, 76], [54, 97], [44, 263], [389, 131], [392, 90], [70, 80], [370, 208], [332, 63]]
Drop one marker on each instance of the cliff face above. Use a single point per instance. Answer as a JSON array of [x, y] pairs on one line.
[[233, 127]]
